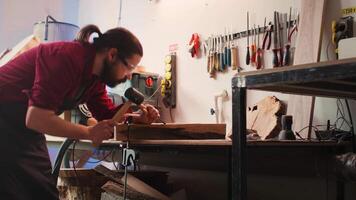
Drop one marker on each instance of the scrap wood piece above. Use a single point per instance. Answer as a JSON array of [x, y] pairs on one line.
[[118, 190], [171, 131], [133, 183], [263, 117], [26, 44], [143, 188]]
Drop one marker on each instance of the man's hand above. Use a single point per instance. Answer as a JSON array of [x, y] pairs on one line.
[[147, 114], [103, 130]]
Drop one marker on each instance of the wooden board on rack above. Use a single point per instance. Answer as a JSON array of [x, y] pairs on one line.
[[307, 50], [134, 184], [171, 131]]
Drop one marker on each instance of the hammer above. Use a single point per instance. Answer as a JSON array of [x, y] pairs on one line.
[[133, 96]]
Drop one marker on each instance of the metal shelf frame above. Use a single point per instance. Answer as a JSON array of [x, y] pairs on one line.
[[326, 79]]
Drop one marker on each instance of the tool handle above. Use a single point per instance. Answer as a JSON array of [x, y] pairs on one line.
[[225, 56], [234, 58], [253, 52], [228, 58], [248, 56], [286, 58], [221, 62], [208, 63], [216, 61], [212, 61], [120, 113], [259, 58], [275, 58], [281, 56]]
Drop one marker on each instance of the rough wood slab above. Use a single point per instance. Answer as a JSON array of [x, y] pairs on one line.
[[170, 131], [264, 117], [118, 191], [308, 46]]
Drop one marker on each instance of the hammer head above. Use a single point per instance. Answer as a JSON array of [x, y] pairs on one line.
[[134, 96]]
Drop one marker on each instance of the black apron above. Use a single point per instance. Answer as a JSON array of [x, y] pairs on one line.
[[25, 167]]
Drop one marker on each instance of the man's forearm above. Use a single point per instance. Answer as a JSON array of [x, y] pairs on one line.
[[45, 121]]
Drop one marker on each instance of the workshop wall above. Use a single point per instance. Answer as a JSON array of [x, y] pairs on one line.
[[159, 24], [18, 17]]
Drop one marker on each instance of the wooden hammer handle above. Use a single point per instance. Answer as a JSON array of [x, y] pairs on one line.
[[121, 112]]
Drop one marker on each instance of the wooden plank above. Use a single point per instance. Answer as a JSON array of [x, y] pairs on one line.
[[143, 188], [308, 46], [218, 142], [348, 61], [227, 143], [170, 131], [26, 44], [344, 82], [300, 89], [132, 182]]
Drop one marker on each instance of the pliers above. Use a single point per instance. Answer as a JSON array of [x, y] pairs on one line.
[[294, 29], [267, 37]]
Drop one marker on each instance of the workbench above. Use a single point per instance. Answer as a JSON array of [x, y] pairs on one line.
[[310, 160], [326, 79]]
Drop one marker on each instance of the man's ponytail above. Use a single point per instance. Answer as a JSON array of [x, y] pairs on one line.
[[84, 33], [119, 38]]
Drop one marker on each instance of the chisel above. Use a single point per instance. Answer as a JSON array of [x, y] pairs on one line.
[[275, 50], [286, 59]]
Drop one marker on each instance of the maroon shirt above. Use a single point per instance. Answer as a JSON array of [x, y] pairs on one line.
[[47, 75]]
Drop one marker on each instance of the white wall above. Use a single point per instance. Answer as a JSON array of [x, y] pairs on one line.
[[17, 17], [102, 13], [161, 23]]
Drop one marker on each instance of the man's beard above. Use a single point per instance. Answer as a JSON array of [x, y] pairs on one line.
[[107, 75]]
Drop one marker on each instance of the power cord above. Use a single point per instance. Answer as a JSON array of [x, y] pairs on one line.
[[73, 162], [298, 132], [102, 159], [125, 173], [352, 126]]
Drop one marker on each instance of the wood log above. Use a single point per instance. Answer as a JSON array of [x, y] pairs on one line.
[[263, 117]]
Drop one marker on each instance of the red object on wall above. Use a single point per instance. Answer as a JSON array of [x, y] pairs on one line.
[[194, 45]]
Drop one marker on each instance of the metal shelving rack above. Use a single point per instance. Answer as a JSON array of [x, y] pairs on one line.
[[327, 79]]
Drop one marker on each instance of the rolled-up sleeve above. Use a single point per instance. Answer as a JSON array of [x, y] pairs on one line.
[[101, 105]]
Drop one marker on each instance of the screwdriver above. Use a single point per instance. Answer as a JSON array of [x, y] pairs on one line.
[[228, 57], [280, 37], [248, 42], [253, 45], [221, 54]]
